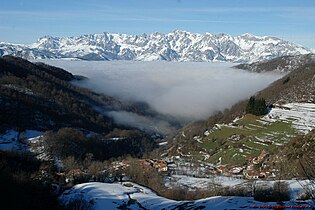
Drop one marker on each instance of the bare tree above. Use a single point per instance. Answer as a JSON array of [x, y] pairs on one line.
[[308, 170], [70, 163]]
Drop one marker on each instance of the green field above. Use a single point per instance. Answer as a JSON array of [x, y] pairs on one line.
[[251, 136]]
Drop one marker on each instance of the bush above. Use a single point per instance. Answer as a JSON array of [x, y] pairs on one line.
[[281, 191], [64, 143], [286, 80], [277, 193], [243, 191]]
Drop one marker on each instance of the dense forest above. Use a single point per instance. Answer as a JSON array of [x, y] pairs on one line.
[[37, 96], [42, 97]]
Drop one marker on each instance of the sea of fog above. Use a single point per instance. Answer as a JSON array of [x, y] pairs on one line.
[[183, 90]]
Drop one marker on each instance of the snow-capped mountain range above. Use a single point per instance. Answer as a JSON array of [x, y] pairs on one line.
[[175, 46]]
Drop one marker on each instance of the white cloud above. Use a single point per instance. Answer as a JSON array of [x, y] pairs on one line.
[[145, 123], [188, 90]]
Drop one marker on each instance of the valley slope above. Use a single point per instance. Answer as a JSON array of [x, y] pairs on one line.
[[233, 137], [38, 96], [35, 98]]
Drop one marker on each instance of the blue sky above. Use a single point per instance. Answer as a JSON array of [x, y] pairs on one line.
[[26, 21]]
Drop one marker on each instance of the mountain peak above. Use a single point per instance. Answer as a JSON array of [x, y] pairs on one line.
[[179, 31], [248, 35], [178, 45], [46, 42], [45, 38]]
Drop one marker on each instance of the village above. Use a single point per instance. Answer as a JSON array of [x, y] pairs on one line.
[[253, 170]]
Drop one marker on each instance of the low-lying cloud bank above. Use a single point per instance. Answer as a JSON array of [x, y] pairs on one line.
[[145, 123], [185, 91]]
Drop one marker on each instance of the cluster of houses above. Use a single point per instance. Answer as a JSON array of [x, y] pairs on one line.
[[160, 165], [253, 170]]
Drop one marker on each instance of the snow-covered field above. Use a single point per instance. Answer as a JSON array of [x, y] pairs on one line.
[[192, 183], [9, 140], [133, 196], [302, 115]]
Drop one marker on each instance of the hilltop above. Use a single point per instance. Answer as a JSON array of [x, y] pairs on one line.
[[283, 64]]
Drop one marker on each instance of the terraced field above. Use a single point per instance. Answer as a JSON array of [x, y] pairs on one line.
[[248, 136]]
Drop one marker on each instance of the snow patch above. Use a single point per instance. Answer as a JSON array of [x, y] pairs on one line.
[[133, 196], [14, 141], [302, 115]]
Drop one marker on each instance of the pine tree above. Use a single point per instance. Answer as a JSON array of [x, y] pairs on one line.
[[256, 106]]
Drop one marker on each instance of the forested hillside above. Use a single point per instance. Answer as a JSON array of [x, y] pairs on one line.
[[41, 97]]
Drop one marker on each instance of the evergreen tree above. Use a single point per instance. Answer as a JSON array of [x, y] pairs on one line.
[[256, 106]]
